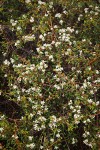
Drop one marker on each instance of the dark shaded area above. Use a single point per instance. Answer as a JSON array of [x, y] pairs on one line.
[[4, 143], [11, 109], [79, 145], [28, 50], [12, 7]]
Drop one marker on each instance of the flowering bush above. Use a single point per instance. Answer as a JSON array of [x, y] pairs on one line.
[[50, 68]]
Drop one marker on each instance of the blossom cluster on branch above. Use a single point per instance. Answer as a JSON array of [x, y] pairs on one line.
[[51, 63]]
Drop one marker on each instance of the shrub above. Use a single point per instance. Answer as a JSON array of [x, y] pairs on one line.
[[50, 68]]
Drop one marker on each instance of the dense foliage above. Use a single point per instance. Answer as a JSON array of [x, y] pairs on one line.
[[50, 69]]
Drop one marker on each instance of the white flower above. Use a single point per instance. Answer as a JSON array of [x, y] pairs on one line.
[[87, 133], [61, 22], [84, 135], [55, 26], [58, 15], [91, 91], [86, 141], [65, 12], [33, 28], [28, 38], [46, 15], [6, 62], [27, 1], [12, 60], [52, 140], [51, 3], [97, 72], [51, 58], [19, 28], [14, 23], [42, 80], [90, 101], [5, 75], [41, 147], [74, 141], [56, 147], [4, 54], [15, 136], [97, 103], [76, 116], [58, 68], [88, 120], [41, 3], [79, 18], [58, 135], [53, 42], [86, 10], [57, 87], [88, 78], [76, 31], [41, 118], [11, 20], [32, 19], [42, 37], [14, 86], [31, 115], [78, 111], [42, 102], [84, 85], [53, 118], [70, 102], [30, 138], [71, 107], [1, 129], [70, 30], [57, 44], [96, 13], [31, 146], [83, 40], [50, 6], [17, 43], [38, 50]]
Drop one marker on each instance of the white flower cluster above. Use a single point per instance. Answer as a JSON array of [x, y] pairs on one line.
[[42, 37], [1, 130], [32, 19], [31, 146], [27, 38], [74, 140], [41, 3], [42, 66], [63, 36], [90, 144], [15, 136], [44, 47], [76, 111], [27, 1], [14, 23], [17, 43], [58, 68], [6, 62], [39, 124], [58, 15], [53, 122]]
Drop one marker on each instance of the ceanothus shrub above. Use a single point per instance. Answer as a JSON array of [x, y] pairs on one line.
[[52, 67]]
